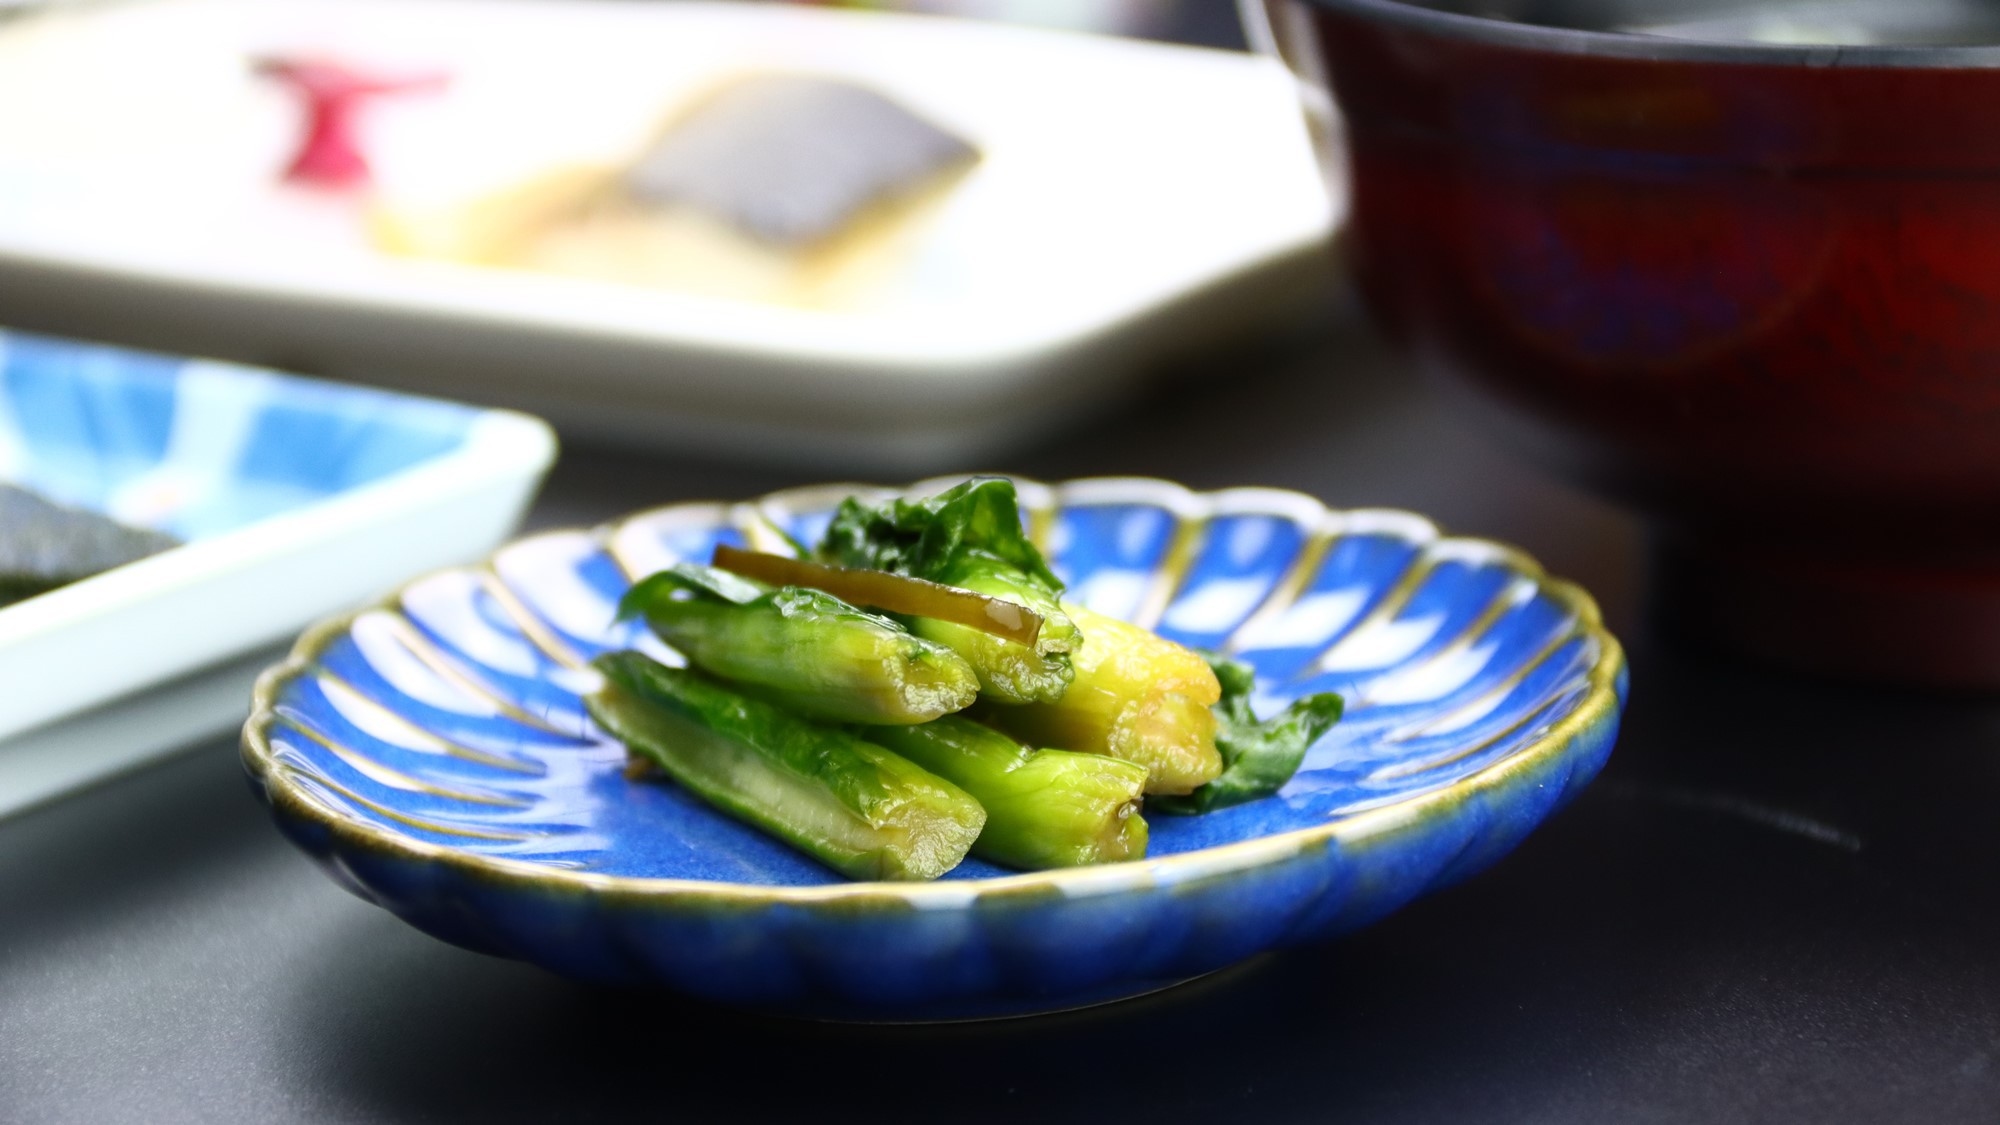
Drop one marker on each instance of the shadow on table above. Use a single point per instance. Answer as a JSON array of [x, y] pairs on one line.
[[1766, 910]]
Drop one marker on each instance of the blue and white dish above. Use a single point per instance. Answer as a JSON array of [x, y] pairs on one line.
[[294, 498], [432, 754]]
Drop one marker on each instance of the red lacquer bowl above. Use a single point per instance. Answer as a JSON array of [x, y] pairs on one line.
[[1754, 289]]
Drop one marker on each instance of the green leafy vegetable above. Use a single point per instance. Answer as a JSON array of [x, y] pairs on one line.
[[969, 536], [1258, 757], [971, 525], [660, 587]]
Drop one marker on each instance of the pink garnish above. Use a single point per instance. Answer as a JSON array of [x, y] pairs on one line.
[[329, 155]]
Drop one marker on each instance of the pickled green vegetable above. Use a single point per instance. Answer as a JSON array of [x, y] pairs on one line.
[[849, 803], [1258, 757], [1134, 696], [804, 649], [1044, 808], [891, 593], [970, 537]]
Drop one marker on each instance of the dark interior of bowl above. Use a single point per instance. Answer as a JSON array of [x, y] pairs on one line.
[[1903, 23]]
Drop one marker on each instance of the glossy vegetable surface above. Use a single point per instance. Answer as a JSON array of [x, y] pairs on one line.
[[805, 649], [1258, 757], [1134, 696], [1125, 714], [895, 593], [1044, 808], [969, 537], [849, 803]]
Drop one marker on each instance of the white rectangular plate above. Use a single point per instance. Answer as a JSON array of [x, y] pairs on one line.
[[1132, 198]]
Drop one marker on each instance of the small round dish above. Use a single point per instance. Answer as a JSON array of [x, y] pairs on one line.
[[432, 754]]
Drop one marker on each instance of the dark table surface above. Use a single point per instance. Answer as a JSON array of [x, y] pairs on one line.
[[1777, 904]]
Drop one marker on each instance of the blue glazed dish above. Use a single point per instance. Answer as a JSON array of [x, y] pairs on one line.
[[431, 752], [195, 447], [291, 497]]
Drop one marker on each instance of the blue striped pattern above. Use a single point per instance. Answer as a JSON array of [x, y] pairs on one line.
[[451, 723], [195, 447]]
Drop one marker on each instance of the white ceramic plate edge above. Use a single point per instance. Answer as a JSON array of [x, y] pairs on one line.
[[204, 602], [56, 758]]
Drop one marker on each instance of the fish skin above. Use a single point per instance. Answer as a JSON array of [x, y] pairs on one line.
[[792, 159]]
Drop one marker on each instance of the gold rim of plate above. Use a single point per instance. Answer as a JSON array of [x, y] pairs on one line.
[[1322, 524]]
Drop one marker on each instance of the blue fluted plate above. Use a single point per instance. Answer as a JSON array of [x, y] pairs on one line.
[[432, 754]]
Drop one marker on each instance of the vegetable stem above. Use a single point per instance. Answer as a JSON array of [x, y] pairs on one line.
[[847, 802], [969, 537], [893, 593], [1135, 696], [1044, 808], [803, 648], [1009, 672]]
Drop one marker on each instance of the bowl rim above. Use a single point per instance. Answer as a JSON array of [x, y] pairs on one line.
[[1658, 48], [1602, 703]]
